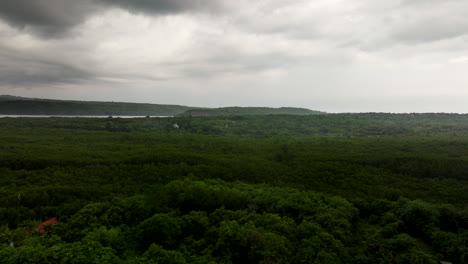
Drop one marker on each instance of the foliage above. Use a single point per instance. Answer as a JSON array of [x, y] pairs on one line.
[[10, 105], [237, 111], [363, 188]]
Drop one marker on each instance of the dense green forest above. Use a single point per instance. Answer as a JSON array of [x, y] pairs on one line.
[[335, 188]]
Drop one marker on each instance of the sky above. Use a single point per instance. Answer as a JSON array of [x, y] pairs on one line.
[[328, 55]]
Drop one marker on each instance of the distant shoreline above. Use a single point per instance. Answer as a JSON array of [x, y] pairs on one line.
[[77, 116]]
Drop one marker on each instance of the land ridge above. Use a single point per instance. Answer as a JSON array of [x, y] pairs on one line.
[[15, 105]]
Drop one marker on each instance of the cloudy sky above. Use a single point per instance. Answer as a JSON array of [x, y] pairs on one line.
[[330, 55]]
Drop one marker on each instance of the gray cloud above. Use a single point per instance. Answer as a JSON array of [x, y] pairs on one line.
[[274, 51], [48, 18], [22, 70], [432, 30], [165, 6], [429, 21], [54, 18], [230, 63], [408, 21]]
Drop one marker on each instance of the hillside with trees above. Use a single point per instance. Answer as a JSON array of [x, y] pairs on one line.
[[11, 105], [14, 105], [235, 111]]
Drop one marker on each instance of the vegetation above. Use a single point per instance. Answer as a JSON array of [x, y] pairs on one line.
[[335, 188], [13, 105], [236, 111]]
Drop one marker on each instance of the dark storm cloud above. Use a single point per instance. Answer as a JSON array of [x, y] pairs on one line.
[[19, 70], [165, 6], [49, 18], [54, 18]]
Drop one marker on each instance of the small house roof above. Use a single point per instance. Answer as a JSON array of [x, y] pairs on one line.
[[41, 226]]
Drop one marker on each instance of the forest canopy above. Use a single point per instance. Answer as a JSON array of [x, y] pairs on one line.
[[335, 188]]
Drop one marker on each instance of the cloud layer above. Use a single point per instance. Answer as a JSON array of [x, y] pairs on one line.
[[269, 52], [53, 18]]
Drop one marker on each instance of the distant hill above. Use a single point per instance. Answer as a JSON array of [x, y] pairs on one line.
[[15, 105], [12, 97], [229, 111]]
